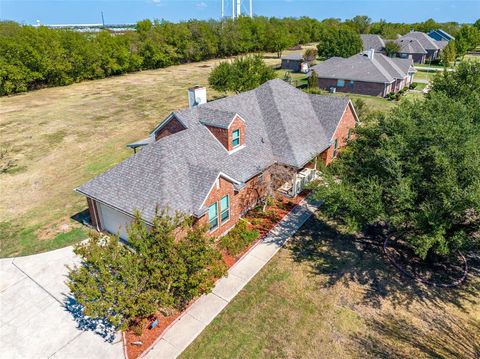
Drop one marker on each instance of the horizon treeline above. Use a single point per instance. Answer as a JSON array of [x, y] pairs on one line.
[[35, 57]]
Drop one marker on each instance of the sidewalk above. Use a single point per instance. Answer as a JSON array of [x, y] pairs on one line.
[[192, 322]]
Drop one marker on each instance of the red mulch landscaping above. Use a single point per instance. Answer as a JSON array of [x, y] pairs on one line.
[[263, 222]]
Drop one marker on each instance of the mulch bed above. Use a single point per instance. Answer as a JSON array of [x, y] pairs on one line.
[[258, 220]]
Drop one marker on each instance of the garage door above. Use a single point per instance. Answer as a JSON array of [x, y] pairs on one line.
[[114, 221]]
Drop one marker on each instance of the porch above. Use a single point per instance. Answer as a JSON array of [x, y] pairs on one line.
[[299, 182]]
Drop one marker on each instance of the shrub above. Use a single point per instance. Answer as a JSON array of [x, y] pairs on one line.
[[238, 238]]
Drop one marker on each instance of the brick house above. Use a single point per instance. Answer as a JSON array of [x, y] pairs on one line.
[[367, 73], [430, 45], [410, 48], [215, 160]]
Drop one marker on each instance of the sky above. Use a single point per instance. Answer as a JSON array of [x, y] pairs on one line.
[[130, 11]]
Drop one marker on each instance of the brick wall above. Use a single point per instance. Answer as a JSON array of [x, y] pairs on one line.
[[347, 122], [173, 126], [221, 134], [360, 87], [240, 201], [225, 136]]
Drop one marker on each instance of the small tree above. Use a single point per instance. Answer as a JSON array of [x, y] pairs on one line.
[[313, 79], [310, 54], [155, 271], [391, 48], [242, 74], [449, 54]]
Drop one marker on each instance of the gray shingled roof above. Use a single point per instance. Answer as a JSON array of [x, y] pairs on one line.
[[372, 42], [410, 45], [283, 125], [441, 44], [381, 69], [293, 56], [426, 41]]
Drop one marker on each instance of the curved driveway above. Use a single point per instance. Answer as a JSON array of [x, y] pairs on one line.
[[34, 321]]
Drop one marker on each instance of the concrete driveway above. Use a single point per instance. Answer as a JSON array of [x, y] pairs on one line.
[[38, 320]]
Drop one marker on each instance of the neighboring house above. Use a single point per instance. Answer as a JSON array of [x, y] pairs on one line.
[[213, 161], [440, 35], [367, 73], [373, 42], [294, 62], [410, 48], [430, 45]]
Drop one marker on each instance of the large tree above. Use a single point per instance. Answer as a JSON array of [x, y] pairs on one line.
[[153, 272], [416, 170], [241, 74], [339, 41]]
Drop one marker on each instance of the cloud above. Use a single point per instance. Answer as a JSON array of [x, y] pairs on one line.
[[158, 2], [201, 5]]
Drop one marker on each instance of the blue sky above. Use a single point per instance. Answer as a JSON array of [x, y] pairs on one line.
[[128, 11]]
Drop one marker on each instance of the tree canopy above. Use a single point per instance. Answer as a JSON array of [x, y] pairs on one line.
[[339, 41], [153, 272], [391, 48], [416, 169], [241, 74]]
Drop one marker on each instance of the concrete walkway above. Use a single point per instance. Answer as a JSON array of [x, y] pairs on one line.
[[35, 321], [192, 322]]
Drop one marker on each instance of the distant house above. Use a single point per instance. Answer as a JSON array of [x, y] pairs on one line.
[[430, 45], [440, 35], [373, 42], [214, 160], [410, 48], [294, 62], [367, 73]]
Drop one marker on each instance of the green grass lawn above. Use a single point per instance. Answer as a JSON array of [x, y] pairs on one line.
[[329, 295], [420, 86], [425, 75], [298, 78]]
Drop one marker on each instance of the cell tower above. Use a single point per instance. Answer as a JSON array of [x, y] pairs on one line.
[[238, 8]]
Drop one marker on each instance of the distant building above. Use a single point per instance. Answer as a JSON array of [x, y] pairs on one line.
[[440, 35], [367, 73], [294, 62], [429, 44], [373, 42], [410, 48]]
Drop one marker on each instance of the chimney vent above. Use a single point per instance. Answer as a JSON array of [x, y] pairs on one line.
[[197, 95]]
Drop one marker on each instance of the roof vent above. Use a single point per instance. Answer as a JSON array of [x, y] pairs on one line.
[[197, 95]]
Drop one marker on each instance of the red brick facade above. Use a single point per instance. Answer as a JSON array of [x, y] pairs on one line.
[[360, 87], [347, 123], [171, 127], [225, 136]]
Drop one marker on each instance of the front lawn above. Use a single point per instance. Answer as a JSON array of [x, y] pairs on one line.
[[330, 296]]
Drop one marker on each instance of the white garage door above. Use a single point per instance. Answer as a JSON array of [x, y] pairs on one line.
[[114, 221]]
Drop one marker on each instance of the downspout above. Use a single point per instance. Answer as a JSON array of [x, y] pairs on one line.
[[95, 214]]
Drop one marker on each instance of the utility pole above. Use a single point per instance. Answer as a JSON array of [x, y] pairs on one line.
[[251, 9], [103, 20], [223, 9]]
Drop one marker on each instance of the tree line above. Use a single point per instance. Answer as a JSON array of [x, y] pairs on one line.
[[36, 57]]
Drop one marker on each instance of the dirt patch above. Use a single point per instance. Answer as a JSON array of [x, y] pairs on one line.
[[48, 232]]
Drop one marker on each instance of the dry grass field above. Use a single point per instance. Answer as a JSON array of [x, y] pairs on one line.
[[328, 295]]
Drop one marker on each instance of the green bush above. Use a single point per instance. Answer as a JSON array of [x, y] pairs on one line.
[[238, 239]]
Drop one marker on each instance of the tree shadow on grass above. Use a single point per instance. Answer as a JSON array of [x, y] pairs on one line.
[[345, 258], [440, 336], [100, 327]]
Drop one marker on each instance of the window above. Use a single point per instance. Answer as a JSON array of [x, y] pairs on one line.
[[236, 138], [340, 83], [213, 216], [335, 144], [350, 84], [224, 209]]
